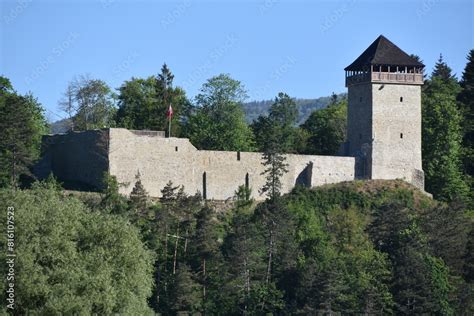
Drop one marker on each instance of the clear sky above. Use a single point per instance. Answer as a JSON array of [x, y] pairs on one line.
[[298, 47]]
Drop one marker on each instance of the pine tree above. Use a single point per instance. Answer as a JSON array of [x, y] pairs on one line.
[[187, 297], [139, 196], [279, 124], [206, 245], [466, 101], [21, 124], [442, 70], [112, 200], [442, 136]]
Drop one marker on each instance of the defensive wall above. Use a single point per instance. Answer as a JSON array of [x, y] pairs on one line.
[[81, 158]]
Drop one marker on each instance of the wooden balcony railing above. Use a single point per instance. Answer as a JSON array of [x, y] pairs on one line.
[[387, 77]]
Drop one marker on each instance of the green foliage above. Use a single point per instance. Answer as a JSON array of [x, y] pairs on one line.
[[326, 129], [255, 109], [112, 200], [70, 260], [22, 124], [217, 121], [138, 196], [279, 126], [90, 104], [143, 103], [374, 251], [466, 105], [442, 136]]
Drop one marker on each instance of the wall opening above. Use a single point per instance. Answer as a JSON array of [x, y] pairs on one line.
[[247, 181], [360, 136], [401, 99], [305, 176], [401, 135], [360, 99], [176, 148], [204, 186], [238, 155]]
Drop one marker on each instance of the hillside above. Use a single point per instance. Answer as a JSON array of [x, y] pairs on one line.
[[359, 247], [251, 109], [256, 108]]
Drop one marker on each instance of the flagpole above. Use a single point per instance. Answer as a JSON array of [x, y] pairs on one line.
[[169, 126]]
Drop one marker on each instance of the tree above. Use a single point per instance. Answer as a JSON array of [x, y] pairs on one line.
[[70, 260], [205, 243], [143, 103], [276, 167], [90, 103], [112, 200], [279, 124], [186, 293], [420, 281], [139, 196], [217, 121], [22, 124], [442, 136], [442, 70], [466, 101], [326, 128]]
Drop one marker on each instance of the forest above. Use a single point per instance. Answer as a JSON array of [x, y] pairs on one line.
[[362, 247]]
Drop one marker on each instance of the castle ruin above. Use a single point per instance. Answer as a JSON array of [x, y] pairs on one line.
[[383, 142]]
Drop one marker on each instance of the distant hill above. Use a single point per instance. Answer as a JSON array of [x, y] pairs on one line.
[[252, 111], [59, 127], [256, 108]]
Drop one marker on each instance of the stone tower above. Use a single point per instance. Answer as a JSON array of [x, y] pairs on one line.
[[384, 113]]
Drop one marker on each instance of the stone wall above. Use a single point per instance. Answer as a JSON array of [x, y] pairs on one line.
[[359, 127], [78, 159], [396, 119], [215, 173]]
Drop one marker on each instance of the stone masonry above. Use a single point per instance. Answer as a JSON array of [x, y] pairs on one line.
[[383, 142]]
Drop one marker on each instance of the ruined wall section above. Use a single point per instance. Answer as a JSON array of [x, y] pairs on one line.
[[217, 174], [77, 159], [157, 159]]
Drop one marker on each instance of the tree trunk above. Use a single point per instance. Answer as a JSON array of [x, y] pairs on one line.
[[175, 250], [270, 257], [186, 241], [13, 180], [204, 278]]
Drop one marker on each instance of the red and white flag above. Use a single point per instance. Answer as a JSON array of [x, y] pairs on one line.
[[169, 113]]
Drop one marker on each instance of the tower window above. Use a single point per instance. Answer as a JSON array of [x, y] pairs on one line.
[[401, 99], [401, 135]]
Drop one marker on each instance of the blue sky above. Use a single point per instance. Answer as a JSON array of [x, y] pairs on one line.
[[298, 47]]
